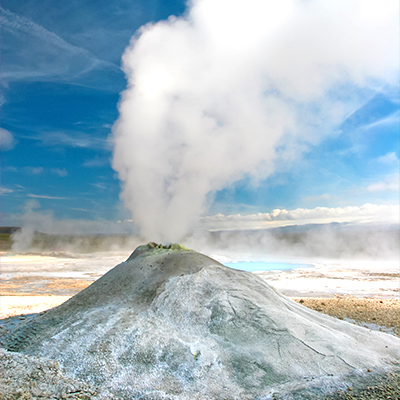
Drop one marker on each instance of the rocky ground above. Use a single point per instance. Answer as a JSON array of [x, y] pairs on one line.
[[377, 314], [29, 378], [381, 314], [232, 306], [387, 387], [24, 377]]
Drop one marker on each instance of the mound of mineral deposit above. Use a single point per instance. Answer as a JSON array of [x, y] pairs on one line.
[[170, 323]]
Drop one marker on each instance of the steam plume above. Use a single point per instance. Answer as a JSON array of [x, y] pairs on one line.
[[232, 89]]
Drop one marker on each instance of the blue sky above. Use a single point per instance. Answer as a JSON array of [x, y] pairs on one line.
[[61, 86], [59, 106], [341, 169]]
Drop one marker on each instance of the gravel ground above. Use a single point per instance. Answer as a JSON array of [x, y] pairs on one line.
[[381, 314], [377, 314], [388, 387], [28, 378]]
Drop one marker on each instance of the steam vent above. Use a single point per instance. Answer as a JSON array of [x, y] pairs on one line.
[[171, 323]]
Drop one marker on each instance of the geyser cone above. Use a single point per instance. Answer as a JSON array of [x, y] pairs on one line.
[[173, 323]]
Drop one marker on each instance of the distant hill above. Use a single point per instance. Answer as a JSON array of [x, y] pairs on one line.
[[5, 237], [8, 230]]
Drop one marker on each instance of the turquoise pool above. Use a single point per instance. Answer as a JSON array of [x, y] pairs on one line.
[[265, 265]]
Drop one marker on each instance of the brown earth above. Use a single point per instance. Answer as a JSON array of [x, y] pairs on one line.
[[384, 313], [41, 285]]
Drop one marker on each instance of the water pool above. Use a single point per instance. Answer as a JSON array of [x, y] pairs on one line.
[[252, 266]]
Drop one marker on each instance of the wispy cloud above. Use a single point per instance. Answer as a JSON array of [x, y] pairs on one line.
[[68, 61], [4, 190], [7, 141], [389, 159], [100, 185], [82, 209], [390, 184], [15, 22], [70, 139], [37, 196], [38, 170], [97, 162], [34, 170], [335, 175], [34, 53], [9, 168], [59, 172], [390, 120]]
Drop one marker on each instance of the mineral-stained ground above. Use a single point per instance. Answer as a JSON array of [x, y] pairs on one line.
[[170, 323]]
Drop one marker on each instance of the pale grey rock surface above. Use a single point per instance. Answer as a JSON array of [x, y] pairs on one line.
[[176, 324], [28, 378]]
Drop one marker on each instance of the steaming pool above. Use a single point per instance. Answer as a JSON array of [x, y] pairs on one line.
[[253, 266], [65, 275]]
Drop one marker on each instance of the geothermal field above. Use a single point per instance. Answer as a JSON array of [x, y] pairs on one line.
[[32, 282], [200, 200], [167, 322]]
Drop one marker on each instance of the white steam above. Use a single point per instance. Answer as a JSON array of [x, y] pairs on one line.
[[235, 87], [40, 230]]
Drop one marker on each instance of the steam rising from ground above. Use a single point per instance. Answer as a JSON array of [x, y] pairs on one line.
[[41, 231], [370, 231], [234, 88], [302, 243]]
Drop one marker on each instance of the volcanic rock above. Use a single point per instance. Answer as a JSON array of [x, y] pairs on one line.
[[171, 323]]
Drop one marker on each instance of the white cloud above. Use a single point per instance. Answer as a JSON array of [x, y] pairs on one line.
[[7, 141], [43, 54], [4, 190], [390, 184], [389, 159], [73, 139], [391, 120], [34, 170], [229, 90], [100, 185], [37, 196], [96, 162], [368, 213], [9, 168], [60, 172]]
